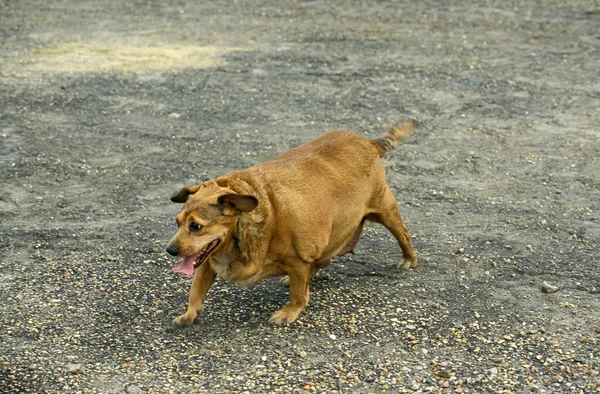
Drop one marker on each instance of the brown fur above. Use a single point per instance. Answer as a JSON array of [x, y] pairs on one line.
[[290, 216]]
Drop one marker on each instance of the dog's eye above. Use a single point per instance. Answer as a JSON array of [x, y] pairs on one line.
[[195, 226]]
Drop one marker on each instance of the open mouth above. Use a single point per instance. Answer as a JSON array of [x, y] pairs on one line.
[[204, 253], [190, 263]]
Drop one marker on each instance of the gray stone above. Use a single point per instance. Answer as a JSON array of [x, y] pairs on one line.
[[75, 369], [134, 389], [548, 288]]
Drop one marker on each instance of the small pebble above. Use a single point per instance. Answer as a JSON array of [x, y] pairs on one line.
[[75, 369], [134, 389], [548, 288]]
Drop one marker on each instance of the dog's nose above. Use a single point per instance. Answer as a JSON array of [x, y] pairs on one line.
[[172, 250]]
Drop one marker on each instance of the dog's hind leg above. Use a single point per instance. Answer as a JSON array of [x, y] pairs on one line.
[[388, 214], [203, 279]]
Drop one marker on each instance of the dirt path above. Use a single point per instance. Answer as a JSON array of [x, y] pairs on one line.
[[107, 107]]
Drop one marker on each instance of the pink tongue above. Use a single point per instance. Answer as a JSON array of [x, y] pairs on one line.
[[186, 267]]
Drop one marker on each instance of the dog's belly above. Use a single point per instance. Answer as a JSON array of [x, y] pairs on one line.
[[244, 284], [268, 270]]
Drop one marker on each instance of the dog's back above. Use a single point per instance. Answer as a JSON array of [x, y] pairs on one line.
[[322, 190]]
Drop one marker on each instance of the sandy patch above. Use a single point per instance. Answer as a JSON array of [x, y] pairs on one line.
[[84, 57]]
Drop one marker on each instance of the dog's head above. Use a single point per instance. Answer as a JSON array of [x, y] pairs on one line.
[[206, 222]]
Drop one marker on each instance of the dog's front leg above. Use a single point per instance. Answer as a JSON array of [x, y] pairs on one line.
[[299, 275], [203, 279]]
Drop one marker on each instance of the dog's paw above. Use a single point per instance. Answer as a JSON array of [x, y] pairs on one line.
[[407, 264], [184, 321], [285, 316], [285, 281]]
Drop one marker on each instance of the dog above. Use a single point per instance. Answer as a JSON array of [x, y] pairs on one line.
[[287, 216]]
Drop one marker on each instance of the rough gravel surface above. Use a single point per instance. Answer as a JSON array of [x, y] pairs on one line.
[[107, 107]]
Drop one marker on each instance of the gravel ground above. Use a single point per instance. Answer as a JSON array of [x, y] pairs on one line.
[[107, 107]]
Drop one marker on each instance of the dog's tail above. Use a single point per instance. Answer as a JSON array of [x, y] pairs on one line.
[[394, 135]]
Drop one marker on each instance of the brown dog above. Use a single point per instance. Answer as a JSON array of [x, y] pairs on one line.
[[288, 216]]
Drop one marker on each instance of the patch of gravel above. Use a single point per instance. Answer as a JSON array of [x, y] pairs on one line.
[[499, 188]]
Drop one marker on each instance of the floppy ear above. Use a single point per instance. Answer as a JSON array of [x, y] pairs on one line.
[[242, 202], [184, 193]]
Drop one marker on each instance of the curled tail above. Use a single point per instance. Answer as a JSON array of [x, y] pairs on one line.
[[393, 136]]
